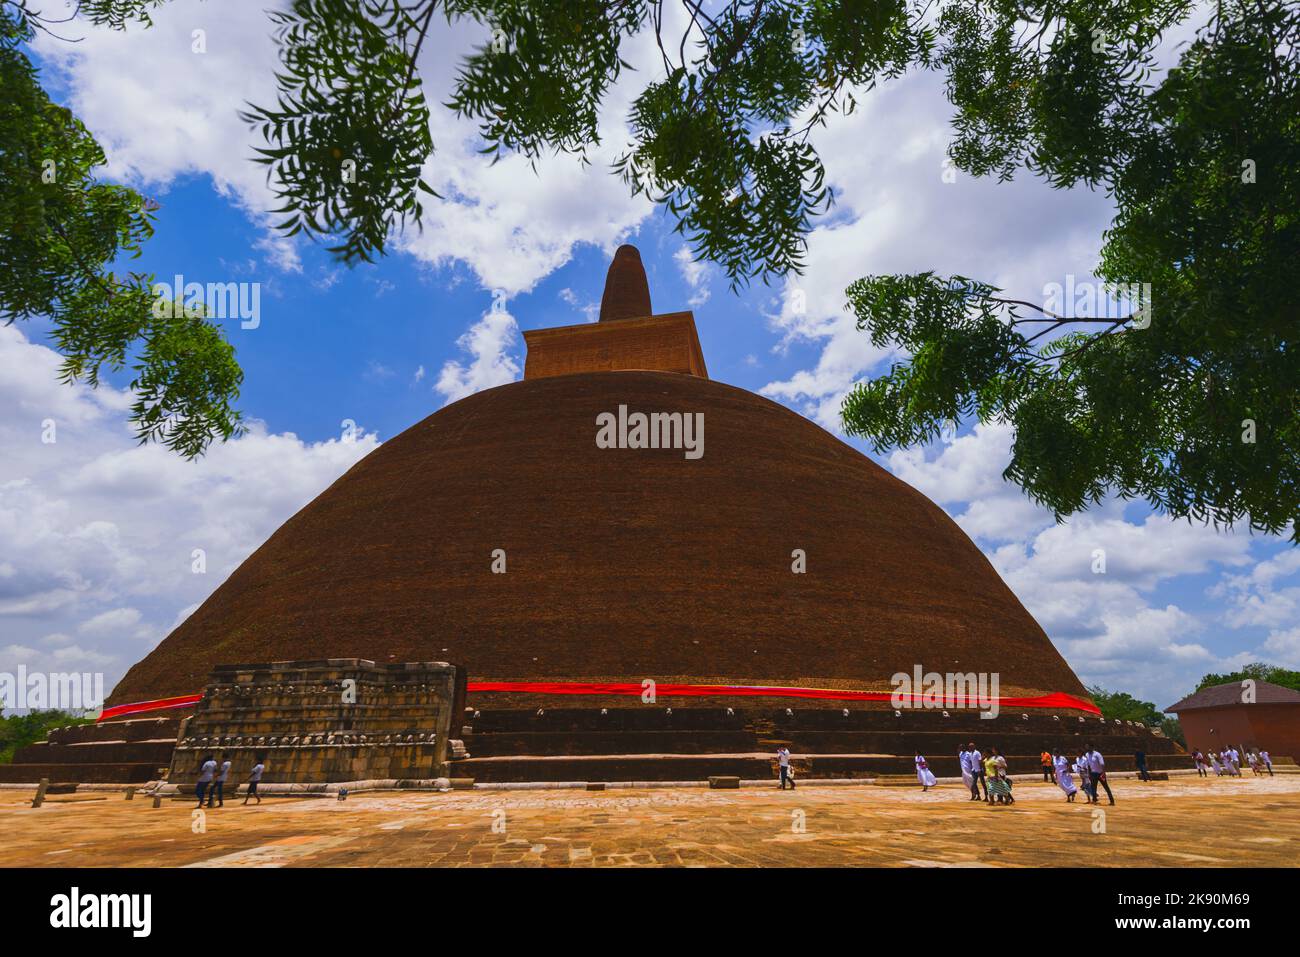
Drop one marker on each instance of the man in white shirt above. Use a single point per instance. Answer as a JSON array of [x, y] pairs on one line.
[[783, 765], [977, 772], [254, 779], [207, 770], [1097, 769], [1268, 762], [218, 789], [1234, 759]]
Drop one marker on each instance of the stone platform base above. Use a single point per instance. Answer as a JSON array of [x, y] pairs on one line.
[[309, 736], [114, 752], [695, 744]]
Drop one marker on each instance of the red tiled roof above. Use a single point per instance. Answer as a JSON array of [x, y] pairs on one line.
[[1226, 695]]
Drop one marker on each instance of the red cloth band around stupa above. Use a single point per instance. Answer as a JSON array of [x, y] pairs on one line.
[[1057, 699], [159, 704]]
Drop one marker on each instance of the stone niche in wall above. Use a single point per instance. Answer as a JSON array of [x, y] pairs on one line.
[[332, 720]]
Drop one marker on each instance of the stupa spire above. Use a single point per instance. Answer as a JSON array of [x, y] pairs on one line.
[[628, 337], [627, 294]]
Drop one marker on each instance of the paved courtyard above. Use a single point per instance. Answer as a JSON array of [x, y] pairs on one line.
[[1184, 822]]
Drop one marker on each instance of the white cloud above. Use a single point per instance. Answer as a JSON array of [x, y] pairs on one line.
[[1283, 647], [895, 214], [1256, 599], [489, 342], [98, 533], [156, 132], [1267, 596], [514, 224], [969, 467], [1112, 627], [117, 621], [376, 371], [695, 273], [590, 310], [510, 224]]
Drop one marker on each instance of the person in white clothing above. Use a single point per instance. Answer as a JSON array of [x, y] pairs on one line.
[[968, 779], [978, 774], [783, 766], [1230, 759], [207, 770], [254, 779], [1214, 763], [923, 773], [1085, 779], [1097, 770], [1268, 762], [218, 788], [1061, 764]]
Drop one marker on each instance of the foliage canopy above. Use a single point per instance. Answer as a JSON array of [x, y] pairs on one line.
[[61, 231], [1187, 397]]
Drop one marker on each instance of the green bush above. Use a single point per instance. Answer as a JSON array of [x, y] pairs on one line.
[[19, 730]]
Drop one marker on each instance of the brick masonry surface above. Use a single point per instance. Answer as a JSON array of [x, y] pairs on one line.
[[340, 719]]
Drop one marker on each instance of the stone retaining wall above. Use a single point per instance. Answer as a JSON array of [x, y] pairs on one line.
[[311, 722]]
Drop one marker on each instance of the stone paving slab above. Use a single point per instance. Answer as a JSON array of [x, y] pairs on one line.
[[1188, 822]]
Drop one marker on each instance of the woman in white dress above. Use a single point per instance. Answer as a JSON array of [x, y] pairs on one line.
[[1214, 763], [1063, 779], [964, 759], [1229, 765], [923, 773]]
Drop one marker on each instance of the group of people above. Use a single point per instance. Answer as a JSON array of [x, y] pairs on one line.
[[1228, 762], [1091, 768], [988, 774], [212, 781]]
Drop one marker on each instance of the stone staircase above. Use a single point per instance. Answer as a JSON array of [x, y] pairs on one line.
[[131, 751], [655, 743]]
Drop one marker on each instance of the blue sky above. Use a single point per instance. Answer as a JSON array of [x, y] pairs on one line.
[[338, 342], [97, 535]]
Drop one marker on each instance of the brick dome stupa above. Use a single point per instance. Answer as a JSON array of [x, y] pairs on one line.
[[620, 564]]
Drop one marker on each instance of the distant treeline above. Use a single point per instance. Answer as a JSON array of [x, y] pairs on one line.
[[19, 730], [1258, 672], [1122, 706]]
